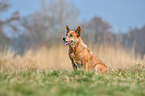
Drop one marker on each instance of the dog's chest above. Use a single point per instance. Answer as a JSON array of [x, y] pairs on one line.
[[76, 58]]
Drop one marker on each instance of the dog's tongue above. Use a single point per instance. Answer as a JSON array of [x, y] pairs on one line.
[[66, 43]]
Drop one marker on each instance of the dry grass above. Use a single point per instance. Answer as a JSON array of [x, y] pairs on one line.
[[57, 58]]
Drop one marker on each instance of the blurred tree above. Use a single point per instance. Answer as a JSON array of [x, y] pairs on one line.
[[97, 30], [135, 38], [48, 24], [4, 6]]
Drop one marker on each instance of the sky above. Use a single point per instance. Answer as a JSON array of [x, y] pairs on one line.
[[120, 14]]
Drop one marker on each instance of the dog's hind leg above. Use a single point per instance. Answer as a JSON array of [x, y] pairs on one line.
[[85, 63], [101, 68]]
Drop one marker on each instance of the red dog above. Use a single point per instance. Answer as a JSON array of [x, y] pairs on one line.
[[80, 54]]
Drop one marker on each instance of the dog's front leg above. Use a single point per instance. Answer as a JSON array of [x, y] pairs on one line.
[[74, 65]]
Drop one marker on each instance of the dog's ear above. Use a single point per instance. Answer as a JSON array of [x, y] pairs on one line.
[[67, 29], [78, 31]]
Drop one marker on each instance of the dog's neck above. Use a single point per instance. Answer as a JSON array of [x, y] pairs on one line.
[[77, 45]]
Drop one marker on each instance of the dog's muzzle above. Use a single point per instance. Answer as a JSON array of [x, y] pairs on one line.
[[67, 42]]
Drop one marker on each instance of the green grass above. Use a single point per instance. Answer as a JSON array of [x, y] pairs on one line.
[[129, 82]]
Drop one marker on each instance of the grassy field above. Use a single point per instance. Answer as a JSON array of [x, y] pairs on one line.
[[24, 75], [128, 82]]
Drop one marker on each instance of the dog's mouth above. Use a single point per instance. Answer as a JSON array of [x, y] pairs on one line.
[[68, 42]]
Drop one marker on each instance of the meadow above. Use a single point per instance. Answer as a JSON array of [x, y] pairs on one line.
[[48, 71], [68, 83]]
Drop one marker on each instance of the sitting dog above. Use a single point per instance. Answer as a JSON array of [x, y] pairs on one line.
[[80, 55]]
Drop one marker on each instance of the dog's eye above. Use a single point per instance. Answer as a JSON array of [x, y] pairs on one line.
[[71, 35]]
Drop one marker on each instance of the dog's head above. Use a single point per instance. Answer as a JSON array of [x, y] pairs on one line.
[[72, 36]]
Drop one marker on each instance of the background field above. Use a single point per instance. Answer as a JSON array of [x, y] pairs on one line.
[[56, 57]]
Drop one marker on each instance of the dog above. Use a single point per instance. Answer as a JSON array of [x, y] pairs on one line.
[[80, 55]]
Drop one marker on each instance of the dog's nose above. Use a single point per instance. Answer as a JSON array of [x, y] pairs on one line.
[[63, 39]]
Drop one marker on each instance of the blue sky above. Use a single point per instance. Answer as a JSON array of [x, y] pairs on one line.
[[121, 14]]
